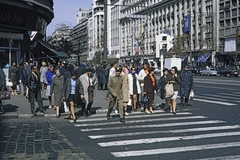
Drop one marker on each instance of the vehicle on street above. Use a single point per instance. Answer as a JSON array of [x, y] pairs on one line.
[[228, 72], [194, 70], [209, 72]]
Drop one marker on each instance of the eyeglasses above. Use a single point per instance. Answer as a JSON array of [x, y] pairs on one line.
[[172, 70]]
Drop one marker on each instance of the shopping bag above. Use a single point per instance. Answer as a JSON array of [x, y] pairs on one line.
[[169, 90], [5, 95], [64, 107], [9, 84], [191, 96]]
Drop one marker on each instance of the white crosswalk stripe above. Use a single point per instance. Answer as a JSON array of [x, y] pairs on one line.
[[228, 99], [148, 135]]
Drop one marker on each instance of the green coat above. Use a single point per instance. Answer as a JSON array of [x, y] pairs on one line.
[[115, 86]]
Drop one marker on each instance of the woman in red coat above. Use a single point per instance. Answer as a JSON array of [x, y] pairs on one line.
[[149, 87]]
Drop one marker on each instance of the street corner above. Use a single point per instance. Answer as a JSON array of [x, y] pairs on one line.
[[35, 138]]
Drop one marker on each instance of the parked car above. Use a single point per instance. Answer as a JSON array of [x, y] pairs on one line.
[[209, 72], [224, 72], [194, 70]]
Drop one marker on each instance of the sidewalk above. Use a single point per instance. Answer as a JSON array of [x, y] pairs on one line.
[[18, 107]]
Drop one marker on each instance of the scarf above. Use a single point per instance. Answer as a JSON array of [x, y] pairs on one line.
[[153, 79]]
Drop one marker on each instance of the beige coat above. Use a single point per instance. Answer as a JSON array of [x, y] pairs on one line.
[[125, 87], [115, 86], [84, 80]]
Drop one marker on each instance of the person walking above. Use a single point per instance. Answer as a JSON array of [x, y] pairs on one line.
[[34, 86], [125, 88], [57, 89], [149, 87], [49, 75], [103, 77], [43, 79], [2, 86], [161, 87], [13, 77], [175, 80], [186, 85], [142, 74], [73, 92], [88, 80], [116, 94], [21, 77], [134, 88]]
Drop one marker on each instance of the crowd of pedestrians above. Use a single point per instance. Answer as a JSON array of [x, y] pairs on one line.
[[76, 86]]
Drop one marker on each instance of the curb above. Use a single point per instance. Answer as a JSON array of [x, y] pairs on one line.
[[23, 115]]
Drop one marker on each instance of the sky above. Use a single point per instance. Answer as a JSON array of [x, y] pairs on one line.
[[65, 11]]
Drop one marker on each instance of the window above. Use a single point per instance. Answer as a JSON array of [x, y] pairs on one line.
[[164, 38], [234, 12]]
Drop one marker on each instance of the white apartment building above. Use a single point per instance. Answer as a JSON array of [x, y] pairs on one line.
[[169, 15], [95, 28], [82, 15]]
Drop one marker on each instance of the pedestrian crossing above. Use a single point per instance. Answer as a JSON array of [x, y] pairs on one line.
[[162, 134], [228, 99]]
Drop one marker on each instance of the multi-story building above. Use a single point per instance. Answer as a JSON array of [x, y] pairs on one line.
[[79, 36], [95, 28], [115, 36], [228, 31], [169, 15]]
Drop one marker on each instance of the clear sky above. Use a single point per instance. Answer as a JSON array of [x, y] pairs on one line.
[[65, 11]]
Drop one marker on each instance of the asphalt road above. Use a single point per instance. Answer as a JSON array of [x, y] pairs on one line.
[[208, 128]]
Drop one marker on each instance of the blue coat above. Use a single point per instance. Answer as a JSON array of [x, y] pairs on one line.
[[186, 83], [103, 76]]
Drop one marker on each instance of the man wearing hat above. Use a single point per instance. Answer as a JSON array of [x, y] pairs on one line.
[[116, 94], [88, 80]]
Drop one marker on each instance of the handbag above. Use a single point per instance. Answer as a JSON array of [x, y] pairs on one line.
[[5, 95], [64, 107], [169, 90], [144, 99], [191, 95]]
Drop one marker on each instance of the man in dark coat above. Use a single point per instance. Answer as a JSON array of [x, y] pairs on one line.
[[34, 86], [186, 85], [2, 86], [103, 77]]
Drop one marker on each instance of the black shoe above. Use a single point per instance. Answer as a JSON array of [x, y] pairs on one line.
[[89, 113], [44, 112], [174, 113], [34, 113], [75, 120], [108, 117], [122, 120], [58, 115]]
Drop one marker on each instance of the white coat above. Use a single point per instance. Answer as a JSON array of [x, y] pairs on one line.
[[84, 80], [130, 82]]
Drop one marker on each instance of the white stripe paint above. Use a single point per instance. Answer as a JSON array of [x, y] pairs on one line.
[[167, 139], [168, 131], [154, 125], [130, 117], [141, 121], [216, 102], [175, 150], [226, 97], [213, 97], [222, 158], [216, 83], [221, 88]]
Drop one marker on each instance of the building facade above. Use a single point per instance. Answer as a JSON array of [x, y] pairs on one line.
[[96, 32], [18, 20], [169, 15]]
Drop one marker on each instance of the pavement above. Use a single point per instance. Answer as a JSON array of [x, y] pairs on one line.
[[19, 107], [28, 137]]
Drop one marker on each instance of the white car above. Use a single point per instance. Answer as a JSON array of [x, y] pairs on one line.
[[209, 72]]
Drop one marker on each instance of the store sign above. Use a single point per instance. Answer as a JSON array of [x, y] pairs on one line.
[[10, 17]]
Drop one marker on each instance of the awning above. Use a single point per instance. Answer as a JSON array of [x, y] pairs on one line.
[[16, 36], [203, 58], [57, 53], [183, 58]]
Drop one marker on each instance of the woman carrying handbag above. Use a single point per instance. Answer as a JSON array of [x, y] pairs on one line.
[[149, 88], [175, 80]]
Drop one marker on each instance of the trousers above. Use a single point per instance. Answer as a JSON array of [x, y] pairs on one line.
[[32, 96], [112, 102]]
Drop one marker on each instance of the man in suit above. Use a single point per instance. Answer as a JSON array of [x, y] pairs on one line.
[[116, 94], [34, 86]]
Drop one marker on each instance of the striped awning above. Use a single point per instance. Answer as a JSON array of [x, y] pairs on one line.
[[15, 36]]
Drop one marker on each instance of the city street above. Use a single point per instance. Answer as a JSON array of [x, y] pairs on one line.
[[209, 128]]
